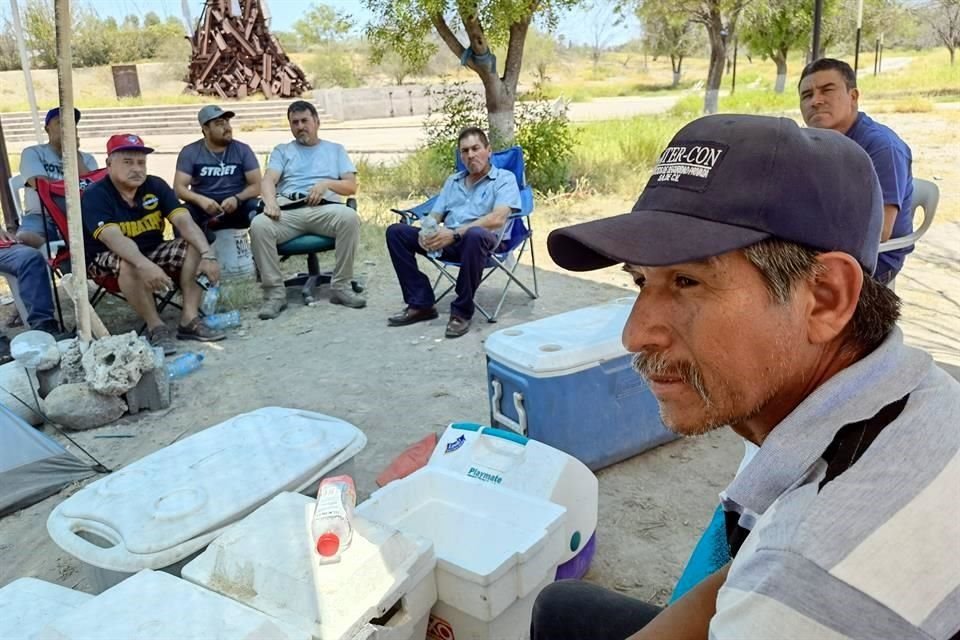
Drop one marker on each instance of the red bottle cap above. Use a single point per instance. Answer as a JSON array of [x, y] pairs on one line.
[[328, 544]]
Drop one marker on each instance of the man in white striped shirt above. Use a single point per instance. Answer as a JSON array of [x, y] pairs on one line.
[[753, 247]]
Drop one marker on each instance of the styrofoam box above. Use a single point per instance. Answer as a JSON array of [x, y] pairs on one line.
[[494, 545], [157, 511], [154, 604], [28, 604], [567, 381], [267, 562]]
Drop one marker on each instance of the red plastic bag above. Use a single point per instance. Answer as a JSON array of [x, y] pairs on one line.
[[412, 458]]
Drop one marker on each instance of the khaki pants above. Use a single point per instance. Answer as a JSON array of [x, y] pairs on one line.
[[334, 220]]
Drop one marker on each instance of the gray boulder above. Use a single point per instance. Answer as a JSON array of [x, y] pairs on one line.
[[77, 406], [114, 364]]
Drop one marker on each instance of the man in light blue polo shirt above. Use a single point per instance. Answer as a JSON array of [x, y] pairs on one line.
[[473, 207]]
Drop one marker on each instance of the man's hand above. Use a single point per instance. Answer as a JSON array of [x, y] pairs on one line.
[[211, 268], [229, 205], [154, 277], [442, 238], [6, 236], [271, 210], [316, 193], [210, 206]]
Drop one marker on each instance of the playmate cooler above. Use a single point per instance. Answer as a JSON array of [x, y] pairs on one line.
[[567, 381]]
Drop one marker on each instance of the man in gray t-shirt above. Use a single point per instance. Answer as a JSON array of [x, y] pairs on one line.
[[303, 190], [45, 161], [217, 176]]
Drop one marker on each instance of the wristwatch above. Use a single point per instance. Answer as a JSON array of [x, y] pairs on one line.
[[456, 236]]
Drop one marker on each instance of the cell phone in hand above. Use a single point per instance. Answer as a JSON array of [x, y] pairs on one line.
[[203, 281]]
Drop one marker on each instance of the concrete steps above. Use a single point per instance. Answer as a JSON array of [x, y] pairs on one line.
[[156, 120]]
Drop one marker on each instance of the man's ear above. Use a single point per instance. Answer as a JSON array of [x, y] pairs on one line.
[[835, 293], [855, 96]]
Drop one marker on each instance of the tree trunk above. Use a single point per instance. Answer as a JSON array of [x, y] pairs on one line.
[[500, 110], [718, 58], [781, 63], [951, 55]]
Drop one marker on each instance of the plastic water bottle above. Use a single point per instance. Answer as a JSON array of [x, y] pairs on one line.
[[221, 321], [210, 297], [331, 527], [429, 227], [183, 365]]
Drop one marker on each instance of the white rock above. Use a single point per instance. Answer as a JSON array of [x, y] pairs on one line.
[[113, 365], [77, 406], [35, 349]]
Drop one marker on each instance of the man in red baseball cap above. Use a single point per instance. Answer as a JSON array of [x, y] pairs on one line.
[[124, 218]]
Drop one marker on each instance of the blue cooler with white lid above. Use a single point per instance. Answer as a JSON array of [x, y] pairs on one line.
[[567, 381]]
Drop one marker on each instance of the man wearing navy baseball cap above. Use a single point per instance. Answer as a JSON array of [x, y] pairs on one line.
[[752, 248], [45, 161], [124, 216]]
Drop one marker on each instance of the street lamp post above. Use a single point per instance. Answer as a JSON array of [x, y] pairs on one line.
[[817, 19], [856, 53]]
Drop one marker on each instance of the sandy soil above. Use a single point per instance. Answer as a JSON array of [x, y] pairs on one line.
[[398, 384]]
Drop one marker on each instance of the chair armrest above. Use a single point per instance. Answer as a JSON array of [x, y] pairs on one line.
[[406, 215], [352, 203]]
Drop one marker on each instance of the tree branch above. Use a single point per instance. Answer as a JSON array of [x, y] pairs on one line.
[[518, 36], [450, 38]]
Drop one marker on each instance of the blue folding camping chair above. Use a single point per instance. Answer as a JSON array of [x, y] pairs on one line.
[[514, 239]]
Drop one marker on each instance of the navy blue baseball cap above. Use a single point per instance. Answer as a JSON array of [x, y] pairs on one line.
[[55, 113], [726, 182]]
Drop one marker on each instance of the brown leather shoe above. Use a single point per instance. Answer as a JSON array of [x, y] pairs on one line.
[[457, 327], [411, 315]]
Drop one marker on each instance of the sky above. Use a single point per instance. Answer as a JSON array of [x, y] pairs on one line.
[[580, 26]]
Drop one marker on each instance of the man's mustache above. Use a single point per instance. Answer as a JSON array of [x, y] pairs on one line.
[[657, 365]]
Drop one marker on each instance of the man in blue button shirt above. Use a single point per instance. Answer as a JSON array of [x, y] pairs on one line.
[[473, 207], [829, 100]]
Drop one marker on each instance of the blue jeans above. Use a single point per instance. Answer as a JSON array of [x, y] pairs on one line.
[[576, 610], [29, 267], [471, 253]]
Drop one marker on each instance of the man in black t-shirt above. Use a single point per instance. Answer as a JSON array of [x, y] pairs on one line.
[[123, 220]]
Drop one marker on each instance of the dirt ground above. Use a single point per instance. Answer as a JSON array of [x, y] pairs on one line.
[[398, 384]]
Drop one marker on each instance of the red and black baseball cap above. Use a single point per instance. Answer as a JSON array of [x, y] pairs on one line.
[[726, 182], [127, 142]]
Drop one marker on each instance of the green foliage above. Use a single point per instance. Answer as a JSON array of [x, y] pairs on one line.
[[96, 41], [9, 55], [668, 33], [542, 129], [322, 25], [333, 65], [398, 68], [773, 28], [539, 55], [544, 132]]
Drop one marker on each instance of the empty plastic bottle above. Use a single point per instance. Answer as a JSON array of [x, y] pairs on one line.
[[429, 227], [210, 297], [222, 321], [331, 527], [183, 365]]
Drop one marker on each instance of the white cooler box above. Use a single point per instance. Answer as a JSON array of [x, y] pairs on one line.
[[27, 605], [532, 468], [154, 605], [159, 510], [567, 381], [383, 586], [496, 548]]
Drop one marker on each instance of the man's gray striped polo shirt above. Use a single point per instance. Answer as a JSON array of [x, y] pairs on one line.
[[852, 506]]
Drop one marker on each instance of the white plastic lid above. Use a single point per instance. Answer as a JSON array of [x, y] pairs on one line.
[[563, 343]]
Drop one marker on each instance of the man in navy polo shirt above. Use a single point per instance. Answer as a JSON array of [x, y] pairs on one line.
[[218, 177], [829, 100], [123, 219]]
